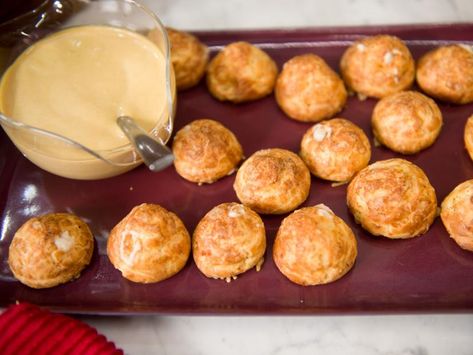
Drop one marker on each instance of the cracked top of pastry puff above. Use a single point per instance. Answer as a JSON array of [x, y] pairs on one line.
[[446, 73], [335, 150], [50, 250], [241, 72], [314, 246], [273, 181], [457, 214], [229, 240], [378, 66], [205, 151], [406, 122], [149, 244], [307, 89], [392, 198]]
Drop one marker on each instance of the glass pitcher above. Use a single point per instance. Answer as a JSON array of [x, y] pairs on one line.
[[62, 155]]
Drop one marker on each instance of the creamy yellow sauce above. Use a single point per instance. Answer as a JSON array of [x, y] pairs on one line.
[[75, 83]]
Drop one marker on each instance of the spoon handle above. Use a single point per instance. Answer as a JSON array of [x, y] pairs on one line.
[[154, 154]]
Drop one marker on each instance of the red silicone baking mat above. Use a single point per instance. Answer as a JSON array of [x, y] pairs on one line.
[[425, 274]]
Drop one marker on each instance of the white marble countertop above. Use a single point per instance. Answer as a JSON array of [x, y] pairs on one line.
[[387, 335]]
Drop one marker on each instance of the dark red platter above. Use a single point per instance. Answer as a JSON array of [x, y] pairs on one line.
[[425, 274]]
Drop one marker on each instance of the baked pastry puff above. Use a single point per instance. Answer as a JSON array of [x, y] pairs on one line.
[[241, 72], [406, 122], [229, 240], [313, 246], [272, 181], [189, 57], [446, 73], [205, 151], [335, 150], [468, 136], [309, 90], [378, 66], [392, 198], [150, 244], [50, 250], [456, 213]]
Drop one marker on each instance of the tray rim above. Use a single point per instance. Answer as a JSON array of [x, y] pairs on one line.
[[348, 32]]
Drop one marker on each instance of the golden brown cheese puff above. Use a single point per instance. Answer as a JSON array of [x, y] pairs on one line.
[[241, 72], [149, 245], [378, 66], [335, 150], [468, 136], [309, 90], [189, 58], [313, 246], [392, 198], [272, 181], [228, 241], [205, 151], [50, 250], [446, 73], [406, 122], [457, 214]]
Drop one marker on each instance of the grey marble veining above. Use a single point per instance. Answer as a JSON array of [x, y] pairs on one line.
[[218, 14], [363, 335]]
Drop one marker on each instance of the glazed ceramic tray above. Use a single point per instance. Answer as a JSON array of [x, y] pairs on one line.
[[429, 273]]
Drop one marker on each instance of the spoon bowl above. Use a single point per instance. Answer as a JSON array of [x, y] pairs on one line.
[[154, 153]]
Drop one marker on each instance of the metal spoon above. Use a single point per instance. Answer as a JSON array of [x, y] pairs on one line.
[[153, 152]]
